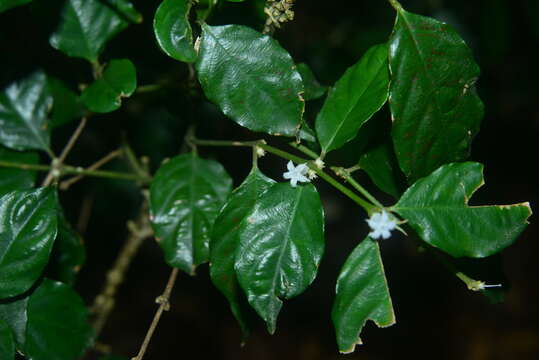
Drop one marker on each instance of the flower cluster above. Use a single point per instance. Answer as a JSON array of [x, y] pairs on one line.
[[381, 224]]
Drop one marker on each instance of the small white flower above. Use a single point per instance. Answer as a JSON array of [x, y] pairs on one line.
[[296, 173], [311, 174], [381, 223]]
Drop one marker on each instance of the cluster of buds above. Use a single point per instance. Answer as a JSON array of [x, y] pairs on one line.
[[278, 12]]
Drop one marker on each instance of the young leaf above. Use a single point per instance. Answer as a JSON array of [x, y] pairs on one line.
[[173, 31], [28, 225], [185, 197], [125, 8], [358, 94], [68, 254], [225, 238], [436, 111], [13, 313], [57, 327], [66, 104], [23, 113], [313, 89], [7, 344], [15, 179], [8, 4], [119, 80], [281, 245], [85, 28], [362, 294], [382, 167], [252, 78], [437, 208]]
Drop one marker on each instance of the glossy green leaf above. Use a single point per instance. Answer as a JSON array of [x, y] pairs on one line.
[[281, 245], [15, 179], [23, 113], [68, 254], [185, 197], [28, 228], [125, 8], [382, 167], [119, 80], [225, 238], [361, 294], [435, 109], [13, 312], [57, 327], [8, 4], [252, 78], [66, 104], [7, 343], [313, 89], [358, 94], [85, 28], [437, 208], [173, 31]]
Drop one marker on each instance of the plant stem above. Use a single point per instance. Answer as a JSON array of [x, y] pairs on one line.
[[163, 300], [54, 173], [369, 208], [304, 150], [67, 170], [339, 171], [395, 4], [64, 185], [105, 301]]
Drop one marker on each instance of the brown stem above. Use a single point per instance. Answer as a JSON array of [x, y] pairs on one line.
[[57, 163], [104, 302], [64, 185], [163, 300]]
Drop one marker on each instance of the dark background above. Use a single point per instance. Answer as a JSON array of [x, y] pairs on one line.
[[437, 317]]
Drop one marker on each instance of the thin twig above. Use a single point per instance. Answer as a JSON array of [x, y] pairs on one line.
[[64, 185], [105, 301], [54, 173], [163, 300]]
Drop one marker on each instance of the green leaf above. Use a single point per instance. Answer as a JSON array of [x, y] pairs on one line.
[[281, 245], [13, 312], [173, 31], [28, 228], [68, 254], [58, 327], [358, 95], [15, 179], [382, 167], [85, 27], [435, 109], [252, 78], [185, 197], [23, 113], [225, 238], [437, 208], [66, 104], [362, 294], [8, 4], [119, 80], [125, 8], [313, 89], [7, 344]]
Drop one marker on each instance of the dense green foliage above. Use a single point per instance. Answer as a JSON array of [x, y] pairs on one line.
[[264, 240]]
